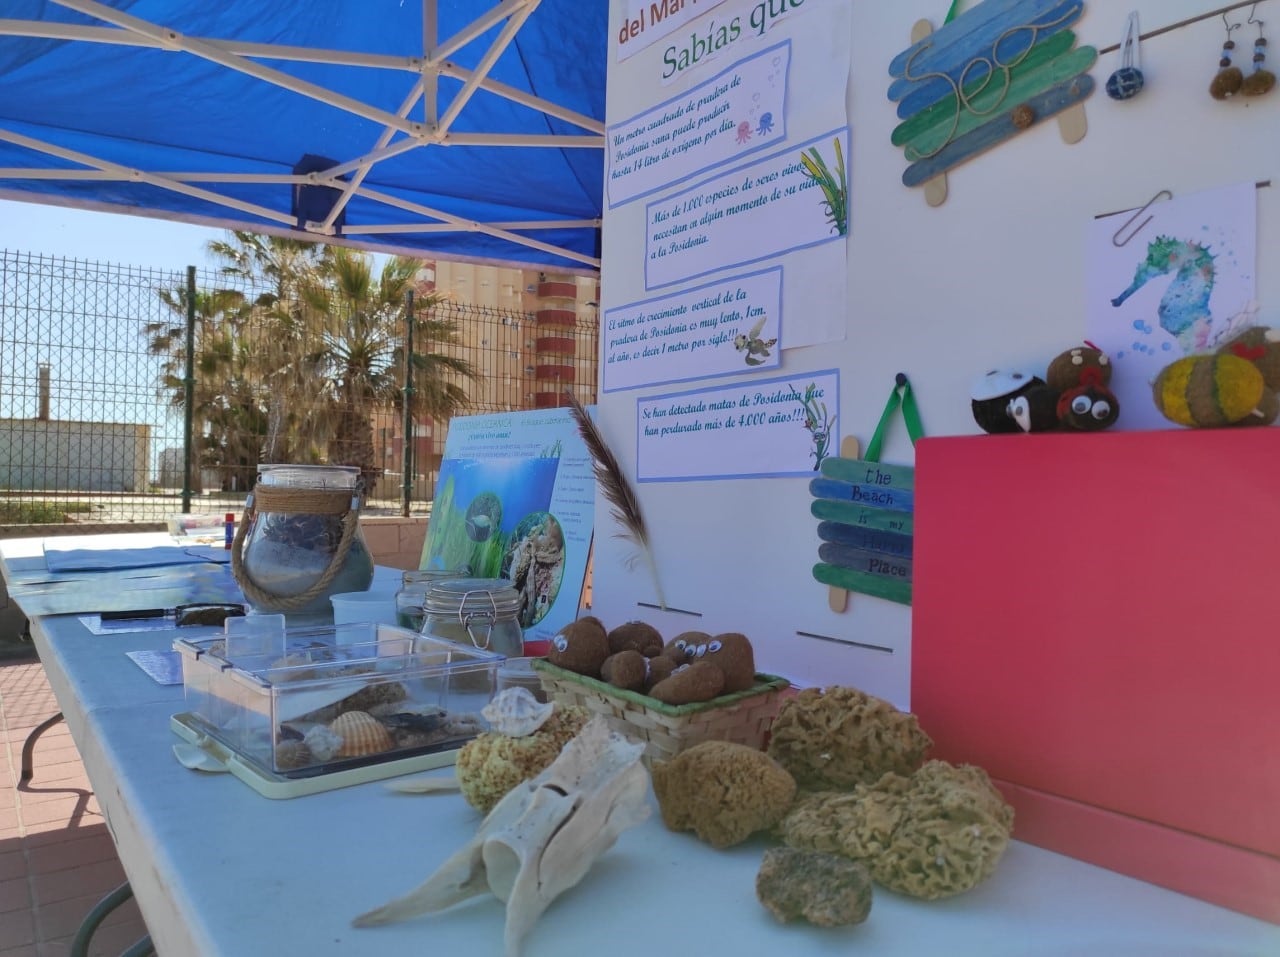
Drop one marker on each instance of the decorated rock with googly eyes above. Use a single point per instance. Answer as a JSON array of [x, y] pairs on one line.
[[580, 646], [677, 649], [732, 653], [636, 636], [699, 681], [626, 669]]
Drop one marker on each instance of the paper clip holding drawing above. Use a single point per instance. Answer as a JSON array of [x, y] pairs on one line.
[[1115, 238]]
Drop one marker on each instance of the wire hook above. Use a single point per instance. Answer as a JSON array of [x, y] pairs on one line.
[[1252, 19], [1229, 26], [1115, 237]]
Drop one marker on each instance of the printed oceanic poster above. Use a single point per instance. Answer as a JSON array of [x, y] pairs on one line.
[[515, 499], [1182, 283]]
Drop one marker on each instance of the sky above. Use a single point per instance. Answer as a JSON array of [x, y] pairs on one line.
[[104, 237]]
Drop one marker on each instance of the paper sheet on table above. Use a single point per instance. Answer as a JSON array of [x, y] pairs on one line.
[[122, 591], [115, 559]]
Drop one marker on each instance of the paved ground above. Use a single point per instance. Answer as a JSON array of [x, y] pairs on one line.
[[56, 858]]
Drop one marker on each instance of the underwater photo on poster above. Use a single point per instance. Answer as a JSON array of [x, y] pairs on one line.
[[480, 511]]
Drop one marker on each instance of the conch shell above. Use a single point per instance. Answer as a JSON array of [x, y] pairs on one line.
[[516, 713], [361, 734], [542, 837]]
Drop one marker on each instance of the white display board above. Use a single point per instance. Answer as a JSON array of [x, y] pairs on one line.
[[994, 277]]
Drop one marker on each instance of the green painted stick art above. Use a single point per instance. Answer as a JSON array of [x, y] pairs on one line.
[[866, 512], [835, 200]]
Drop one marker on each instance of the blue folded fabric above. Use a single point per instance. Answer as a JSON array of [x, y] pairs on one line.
[[114, 559]]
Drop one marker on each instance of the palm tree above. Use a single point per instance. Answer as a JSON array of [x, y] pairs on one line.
[[361, 359], [283, 331], [223, 413]]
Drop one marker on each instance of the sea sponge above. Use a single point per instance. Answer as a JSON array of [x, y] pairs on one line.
[[834, 738], [825, 889], [732, 653], [939, 832], [722, 791], [492, 764]]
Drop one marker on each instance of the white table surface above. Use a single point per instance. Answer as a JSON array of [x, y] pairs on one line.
[[218, 869]]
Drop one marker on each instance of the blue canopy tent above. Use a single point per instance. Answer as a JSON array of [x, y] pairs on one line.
[[469, 129]]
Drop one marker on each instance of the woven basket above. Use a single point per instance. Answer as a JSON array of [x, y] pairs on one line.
[[667, 729]]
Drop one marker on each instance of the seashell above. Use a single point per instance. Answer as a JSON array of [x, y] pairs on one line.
[[516, 713], [322, 743], [361, 734], [543, 837]]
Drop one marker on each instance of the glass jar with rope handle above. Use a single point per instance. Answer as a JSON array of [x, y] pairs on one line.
[[300, 540]]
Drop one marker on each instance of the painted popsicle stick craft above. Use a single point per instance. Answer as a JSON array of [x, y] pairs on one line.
[[865, 511], [982, 78]]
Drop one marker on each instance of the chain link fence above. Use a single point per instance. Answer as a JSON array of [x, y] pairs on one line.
[[95, 391]]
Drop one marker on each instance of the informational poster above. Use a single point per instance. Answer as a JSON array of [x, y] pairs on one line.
[[1175, 279], [516, 500], [761, 429], [738, 111], [786, 202], [719, 328], [733, 161]]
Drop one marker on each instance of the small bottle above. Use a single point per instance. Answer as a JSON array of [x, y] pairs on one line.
[[229, 524], [475, 611]]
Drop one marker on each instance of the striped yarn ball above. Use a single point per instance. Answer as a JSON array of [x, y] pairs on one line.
[[1207, 391]]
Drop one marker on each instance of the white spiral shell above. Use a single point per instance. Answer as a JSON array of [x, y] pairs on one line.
[[516, 713]]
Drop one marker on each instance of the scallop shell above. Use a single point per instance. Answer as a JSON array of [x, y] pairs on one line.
[[516, 713], [361, 734]]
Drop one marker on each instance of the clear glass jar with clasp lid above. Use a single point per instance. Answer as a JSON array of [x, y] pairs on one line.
[[413, 595], [300, 541], [475, 611]]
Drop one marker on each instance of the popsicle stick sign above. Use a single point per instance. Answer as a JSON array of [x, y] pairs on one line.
[[984, 77], [865, 511]]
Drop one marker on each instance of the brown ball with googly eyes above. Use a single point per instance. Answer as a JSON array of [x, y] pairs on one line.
[[677, 649], [580, 646], [732, 653], [636, 636]]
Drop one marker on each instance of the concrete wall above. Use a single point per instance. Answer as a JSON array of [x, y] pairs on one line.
[[395, 541], [74, 456]]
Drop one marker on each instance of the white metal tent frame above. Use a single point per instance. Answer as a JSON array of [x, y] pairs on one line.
[[431, 130]]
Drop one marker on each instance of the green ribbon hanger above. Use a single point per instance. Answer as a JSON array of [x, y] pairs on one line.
[[951, 13], [900, 398]]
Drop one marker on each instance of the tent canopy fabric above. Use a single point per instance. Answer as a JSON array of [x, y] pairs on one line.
[[468, 129]]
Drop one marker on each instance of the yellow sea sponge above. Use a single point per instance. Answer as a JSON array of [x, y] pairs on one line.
[[939, 832], [722, 791], [835, 738], [492, 764]]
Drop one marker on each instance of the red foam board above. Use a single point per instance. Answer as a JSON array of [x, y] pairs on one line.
[[1094, 619]]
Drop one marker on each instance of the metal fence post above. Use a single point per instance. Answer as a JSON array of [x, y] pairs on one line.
[[189, 383], [406, 463]]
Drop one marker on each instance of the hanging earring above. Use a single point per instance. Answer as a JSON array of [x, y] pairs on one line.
[[1230, 78], [1261, 79], [1127, 81]]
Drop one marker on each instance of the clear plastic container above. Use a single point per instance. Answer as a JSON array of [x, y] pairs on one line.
[[326, 705], [301, 542], [479, 612], [413, 595]]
